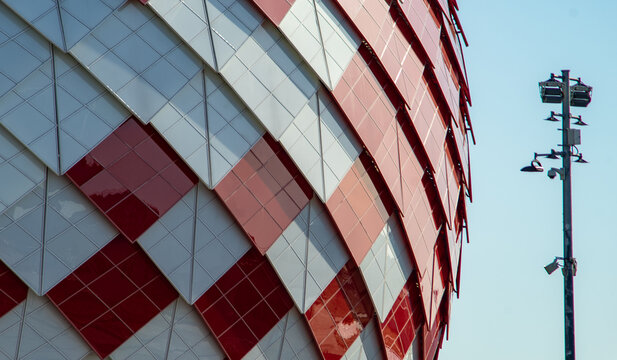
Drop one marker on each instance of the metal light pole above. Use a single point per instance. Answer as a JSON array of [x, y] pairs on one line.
[[553, 91], [568, 273]]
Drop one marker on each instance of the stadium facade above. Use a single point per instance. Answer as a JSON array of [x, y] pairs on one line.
[[241, 179]]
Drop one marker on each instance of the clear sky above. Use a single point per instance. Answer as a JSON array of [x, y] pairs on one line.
[[509, 308]]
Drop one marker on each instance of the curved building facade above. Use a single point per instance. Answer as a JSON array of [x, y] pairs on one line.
[[240, 179]]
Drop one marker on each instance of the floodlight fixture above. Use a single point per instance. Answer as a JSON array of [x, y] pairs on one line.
[[580, 95], [550, 268], [551, 90]]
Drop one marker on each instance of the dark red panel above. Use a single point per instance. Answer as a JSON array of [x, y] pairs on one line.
[[440, 280], [133, 177], [108, 298], [340, 313], [360, 207], [244, 304], [264, 192], [12, 290], [405, 318]]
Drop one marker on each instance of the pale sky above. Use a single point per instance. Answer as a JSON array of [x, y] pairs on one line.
[[509, 308]]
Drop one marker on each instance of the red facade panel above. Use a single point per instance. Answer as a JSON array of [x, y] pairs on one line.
[[264, 192], [12, 290], [425, 23], [340, 313], [244, 304], [112, 295], [373, 116], [133, 177], [389, 37], [406, 317], [360, 208], [275, 10]]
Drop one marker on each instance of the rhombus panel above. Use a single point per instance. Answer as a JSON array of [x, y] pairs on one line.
[[230, 179]]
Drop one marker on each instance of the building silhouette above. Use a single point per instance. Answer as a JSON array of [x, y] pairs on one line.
[[210, 179]]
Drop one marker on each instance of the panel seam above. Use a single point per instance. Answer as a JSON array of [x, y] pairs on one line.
[[171, 328], [21, 326], [216, 64], [323, 44], [192, 278], [44, 227]]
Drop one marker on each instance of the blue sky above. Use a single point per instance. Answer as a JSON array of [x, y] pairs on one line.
[[509, 307]]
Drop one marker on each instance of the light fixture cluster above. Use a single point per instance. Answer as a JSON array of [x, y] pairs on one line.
[[567, 92], [552, 92]]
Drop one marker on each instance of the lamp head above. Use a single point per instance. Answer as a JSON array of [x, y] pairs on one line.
[[534, 166], [553, 155], [552, 117], [580, 159], [580, 122]]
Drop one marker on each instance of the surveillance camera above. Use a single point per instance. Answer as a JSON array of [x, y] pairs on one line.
[[552, 173]]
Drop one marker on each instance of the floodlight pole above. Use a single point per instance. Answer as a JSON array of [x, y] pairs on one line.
[[568, 268]]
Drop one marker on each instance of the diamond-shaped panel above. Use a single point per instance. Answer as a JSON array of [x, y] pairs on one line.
[[20, 171], [22, 50], [133, 177], [321, 144], [12, 290], [308, 255], [35, 330], [244, 305], [360, 208], [50, 232], [340, 42], [264, 192], [208, 126], [290, 339], [112, 295], [138, 58], [404, 320], [366, 346], [59, 111], [262, 67], [64, 22], [176, 333], [373, 116], [190, 20], [300, 26], [386, 267], [340, 314], [195, 243]]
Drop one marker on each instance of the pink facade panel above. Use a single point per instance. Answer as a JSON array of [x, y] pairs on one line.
[[360, 208], [275, 10], [264, 192]]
